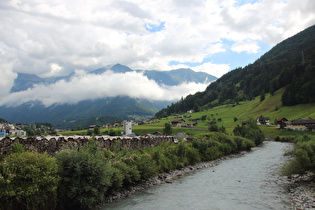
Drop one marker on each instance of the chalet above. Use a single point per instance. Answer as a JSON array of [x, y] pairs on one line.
[[263, 120], [178, 122], [107, 125], [150, 121], [194, 120], [192, 124], [282, 122], [91, 127], [302, 124], [210, 122], [190, 111], [117, 123]]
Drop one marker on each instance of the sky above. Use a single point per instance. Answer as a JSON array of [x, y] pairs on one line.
[[55, 38]]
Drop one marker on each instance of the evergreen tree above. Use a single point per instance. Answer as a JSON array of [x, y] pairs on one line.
[[167, 129]]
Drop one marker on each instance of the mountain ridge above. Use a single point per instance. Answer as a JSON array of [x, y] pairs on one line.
[[171, 78], [290, 65], [87, 112]]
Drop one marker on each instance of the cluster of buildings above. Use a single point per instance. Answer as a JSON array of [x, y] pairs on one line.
[[7, 129], [301, 124]]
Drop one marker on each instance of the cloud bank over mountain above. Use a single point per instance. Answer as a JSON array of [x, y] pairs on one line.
[[84, 86]]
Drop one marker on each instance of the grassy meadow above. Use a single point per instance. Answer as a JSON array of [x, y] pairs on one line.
[[224, 116]]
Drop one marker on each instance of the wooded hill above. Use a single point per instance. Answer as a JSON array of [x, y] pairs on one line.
[[290, 64]]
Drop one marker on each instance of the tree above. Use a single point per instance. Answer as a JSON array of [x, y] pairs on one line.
[[97, 130], [167, 129], [214, 128], [262, 95], [235, 119]]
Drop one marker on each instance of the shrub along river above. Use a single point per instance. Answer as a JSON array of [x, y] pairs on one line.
[[251, 181]]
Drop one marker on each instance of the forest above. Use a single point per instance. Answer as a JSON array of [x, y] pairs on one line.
[[290, 64]]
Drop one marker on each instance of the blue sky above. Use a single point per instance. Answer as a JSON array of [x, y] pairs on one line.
[[56, 38]]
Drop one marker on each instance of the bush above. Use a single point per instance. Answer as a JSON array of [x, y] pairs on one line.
[[17, 148], [192, 155], [250, 131], [130, 174], [304, 157], [239, 143], [164, 164], [85, 178], [213, 128], [146, 166], [28, 181]]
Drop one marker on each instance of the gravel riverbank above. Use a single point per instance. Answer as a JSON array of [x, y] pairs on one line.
[[302, 191]]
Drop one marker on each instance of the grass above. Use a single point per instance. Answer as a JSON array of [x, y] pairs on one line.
[[270, 107]]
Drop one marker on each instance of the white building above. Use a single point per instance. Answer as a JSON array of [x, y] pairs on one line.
[[17, 133], [127, 127]]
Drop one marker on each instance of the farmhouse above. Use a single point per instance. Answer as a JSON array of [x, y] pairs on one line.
[[282, 122], [263, 120], [301, 124], [178, 123], [91, 127]]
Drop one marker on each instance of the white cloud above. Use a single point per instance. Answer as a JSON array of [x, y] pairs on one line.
[[52, 38], [214, 69], [246, 46], [83, 86], [7, 79]]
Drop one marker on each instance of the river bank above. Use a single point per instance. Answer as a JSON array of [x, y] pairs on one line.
[[299, 193], [302, 191], [164, 178]]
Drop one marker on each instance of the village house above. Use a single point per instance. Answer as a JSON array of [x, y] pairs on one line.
[[11, 130], [263, 120], [107, 125], [210, 122], [2, 131], [281, 122], [192, 124], [178, 123], [92, 127], [16, 132], [301, 124], [150, 121], [118, 123], [195, 120]]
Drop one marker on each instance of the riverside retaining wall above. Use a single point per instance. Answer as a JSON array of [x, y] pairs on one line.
[[53, 144]]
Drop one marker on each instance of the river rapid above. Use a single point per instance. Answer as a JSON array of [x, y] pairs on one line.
[[251, 181]]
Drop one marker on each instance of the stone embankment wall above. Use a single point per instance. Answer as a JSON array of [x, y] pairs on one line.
[[53, 144]]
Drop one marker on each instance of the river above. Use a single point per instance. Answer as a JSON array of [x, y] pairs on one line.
[[250, 181]]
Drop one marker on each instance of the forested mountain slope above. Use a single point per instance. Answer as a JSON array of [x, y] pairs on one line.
[[290, 64]]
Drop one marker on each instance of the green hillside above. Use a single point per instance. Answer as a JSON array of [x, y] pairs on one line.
[[224, 116], [289, 65]]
